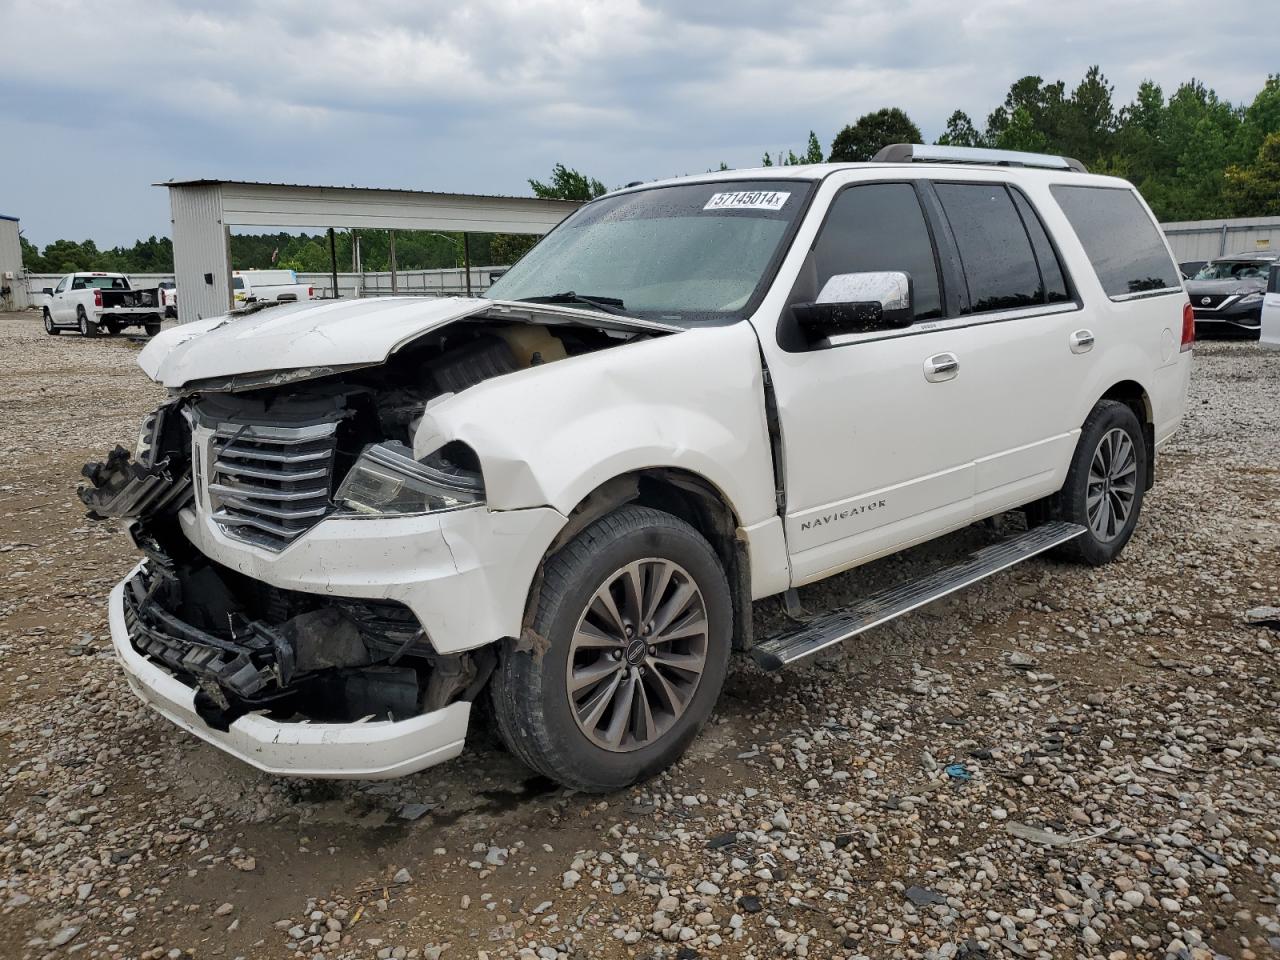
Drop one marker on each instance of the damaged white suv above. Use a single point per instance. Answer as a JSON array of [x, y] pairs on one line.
[[364, 519]]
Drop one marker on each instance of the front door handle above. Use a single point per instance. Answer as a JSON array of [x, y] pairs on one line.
[[940, 367], [1082, 341]]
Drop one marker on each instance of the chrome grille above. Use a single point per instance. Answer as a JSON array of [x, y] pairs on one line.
[[268, 485]]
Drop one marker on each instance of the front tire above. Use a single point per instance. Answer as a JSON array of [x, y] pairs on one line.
[[627, 650], [1105, 484], [49, 328]]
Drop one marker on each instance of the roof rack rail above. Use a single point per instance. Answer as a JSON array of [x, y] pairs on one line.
[[924, 153]]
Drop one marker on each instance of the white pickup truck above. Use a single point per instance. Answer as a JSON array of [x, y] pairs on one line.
[[93, 302], [259, 286], [364, 519], [169, 298]]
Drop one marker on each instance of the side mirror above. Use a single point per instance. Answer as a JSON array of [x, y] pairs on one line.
[[858, 303], [48, 291]]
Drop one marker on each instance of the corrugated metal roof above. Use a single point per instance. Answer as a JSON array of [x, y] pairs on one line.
[[331, 186]]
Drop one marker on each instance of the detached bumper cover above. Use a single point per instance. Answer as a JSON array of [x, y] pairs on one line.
[[368, 750]]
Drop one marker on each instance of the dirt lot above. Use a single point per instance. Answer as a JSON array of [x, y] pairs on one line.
[[1062, 762]]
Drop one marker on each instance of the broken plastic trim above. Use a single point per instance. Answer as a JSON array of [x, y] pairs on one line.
[[157, 478], [121, 488]]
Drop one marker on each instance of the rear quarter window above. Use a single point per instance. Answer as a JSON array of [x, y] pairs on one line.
[[1122, 243]]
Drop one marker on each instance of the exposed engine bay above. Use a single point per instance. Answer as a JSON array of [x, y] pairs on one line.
[[267, 463]]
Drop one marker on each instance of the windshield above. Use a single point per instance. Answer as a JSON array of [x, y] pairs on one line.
[[100, 283], [684, 253], [1234, 270]]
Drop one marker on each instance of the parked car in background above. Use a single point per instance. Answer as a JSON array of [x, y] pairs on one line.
[[169, 298], [255, 286], [1189, 268], [559, 500], [1271, 309], [93, 302], [1227, 293]]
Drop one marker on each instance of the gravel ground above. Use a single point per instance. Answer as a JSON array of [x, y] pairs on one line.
[[1061, 762]]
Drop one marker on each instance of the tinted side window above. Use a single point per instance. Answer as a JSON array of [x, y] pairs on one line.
[[1055, 284], [1273, 279], [1122, 243], [880, 226], [995, 252], [77, 283]]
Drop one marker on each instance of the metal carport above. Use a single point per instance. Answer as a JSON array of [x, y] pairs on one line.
[[204, 211]]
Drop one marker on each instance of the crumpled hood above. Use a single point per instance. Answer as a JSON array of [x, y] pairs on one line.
[[305, 340]]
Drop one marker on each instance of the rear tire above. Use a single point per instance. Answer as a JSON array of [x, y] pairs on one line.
[[49, 328], [87, 327], [1105, 484], [630, 647], [152, 328], [113, 327]]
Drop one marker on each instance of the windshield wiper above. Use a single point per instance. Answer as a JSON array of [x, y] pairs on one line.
[[605, 304]]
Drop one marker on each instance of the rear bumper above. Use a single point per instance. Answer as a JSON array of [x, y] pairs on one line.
[[370, 750]]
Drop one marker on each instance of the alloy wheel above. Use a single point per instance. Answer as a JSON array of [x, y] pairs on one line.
[[1113, 484], [637, 655]]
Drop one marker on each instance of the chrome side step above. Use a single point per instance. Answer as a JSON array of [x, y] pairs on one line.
[[831, 628]]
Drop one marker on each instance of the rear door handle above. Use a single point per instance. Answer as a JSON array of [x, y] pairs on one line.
[[940, 367], [1082, 341]]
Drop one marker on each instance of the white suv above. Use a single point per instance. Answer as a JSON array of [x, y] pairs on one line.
[[363, 519]]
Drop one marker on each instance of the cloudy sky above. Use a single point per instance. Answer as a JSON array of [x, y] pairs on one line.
[[100, 99]]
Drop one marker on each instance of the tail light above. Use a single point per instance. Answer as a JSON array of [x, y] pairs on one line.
[[97, 298], [1188, 326], [311, 293]]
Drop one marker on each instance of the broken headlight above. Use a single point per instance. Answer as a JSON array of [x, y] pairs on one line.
[[386, 479]]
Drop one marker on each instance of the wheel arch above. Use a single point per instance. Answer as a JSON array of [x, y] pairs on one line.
[[1135, 396], [683, 494]]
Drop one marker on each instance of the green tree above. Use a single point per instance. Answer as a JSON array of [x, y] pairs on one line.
[[862, 140], [1261, 119], [507, 248], [31, 259], [812, 154], [567, 184], [1088, 121], [961, 132], [1254, 190]]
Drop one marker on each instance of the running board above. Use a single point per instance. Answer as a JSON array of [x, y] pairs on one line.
[[831, 628]]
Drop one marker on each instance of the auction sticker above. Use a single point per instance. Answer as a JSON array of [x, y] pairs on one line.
[[748, 200]]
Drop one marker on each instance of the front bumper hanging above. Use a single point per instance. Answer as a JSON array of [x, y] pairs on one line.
[[365, 749]]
